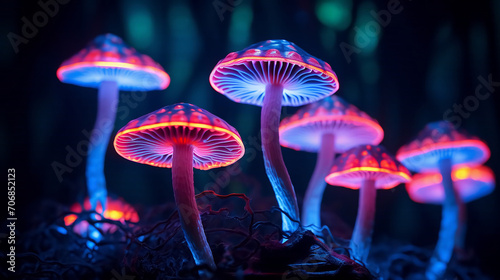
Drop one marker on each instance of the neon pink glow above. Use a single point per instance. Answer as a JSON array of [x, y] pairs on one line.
[[470, 183], [116, 209], [108, 58], [163, 79], [440, 140], [367, 162], [150, 138], [243, 76], [351, 126]]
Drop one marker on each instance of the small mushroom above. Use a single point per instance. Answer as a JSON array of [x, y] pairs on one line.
[[367, 168], [470, 183], [182, 136], [117, 210], [440, 147], [273, 74], [326, 127], [109, 65]]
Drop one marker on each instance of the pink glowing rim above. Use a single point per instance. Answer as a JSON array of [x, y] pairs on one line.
[[131, 157], [289, 127], [337, 178], [256, 58], [404, 154], [367, 162], [78, 66], [470, 182]]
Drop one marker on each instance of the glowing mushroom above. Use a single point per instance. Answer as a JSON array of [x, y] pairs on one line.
[[272, 74], [470, 183], [367, 168], [110, 65], [117, 210], [439, 147], [182, 136], [326, 127]]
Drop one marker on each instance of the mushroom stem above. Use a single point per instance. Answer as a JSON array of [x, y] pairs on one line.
[[311, 207], [362, 233], [273, 159], [106, 112], [183, 185], [449, 223]]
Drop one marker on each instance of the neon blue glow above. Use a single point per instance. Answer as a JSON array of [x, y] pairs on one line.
[[96, 182], [311, 207], [273, 160], [449, 224], [62, 230], [455, 144]]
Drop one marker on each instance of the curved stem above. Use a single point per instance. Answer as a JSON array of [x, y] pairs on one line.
[[273, 159], [106, 113], [183, 184], [311, 207], [362, 234], [449, 222]]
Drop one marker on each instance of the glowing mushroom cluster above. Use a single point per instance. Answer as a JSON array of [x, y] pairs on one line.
[[440, 147], [327, 127], [271, 74]]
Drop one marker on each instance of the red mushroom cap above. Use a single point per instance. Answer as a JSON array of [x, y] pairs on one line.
[[108, 58], [367, 162], [242, 76], [440, 140], [150, 139], [470, 183], [351, 126]]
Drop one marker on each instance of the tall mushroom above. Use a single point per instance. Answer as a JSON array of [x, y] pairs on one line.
[[327, 127], [272, 74], [182, 136], [367, 168], [470, 183], [109, 65], [439, 147]]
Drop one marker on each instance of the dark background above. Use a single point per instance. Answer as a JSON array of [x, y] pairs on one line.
[[405, 74]]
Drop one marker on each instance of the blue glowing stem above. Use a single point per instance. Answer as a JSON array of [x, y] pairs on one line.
[[311, 208], [106, 113], [449, 223], [362, 233], [183, 184], [273, 159]]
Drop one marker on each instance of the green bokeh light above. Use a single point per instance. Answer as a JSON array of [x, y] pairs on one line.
[[140, 27], [334, 13], [366, 31], [239, 30]]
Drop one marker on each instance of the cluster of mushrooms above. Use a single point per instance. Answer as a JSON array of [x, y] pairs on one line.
[[273, 74]]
